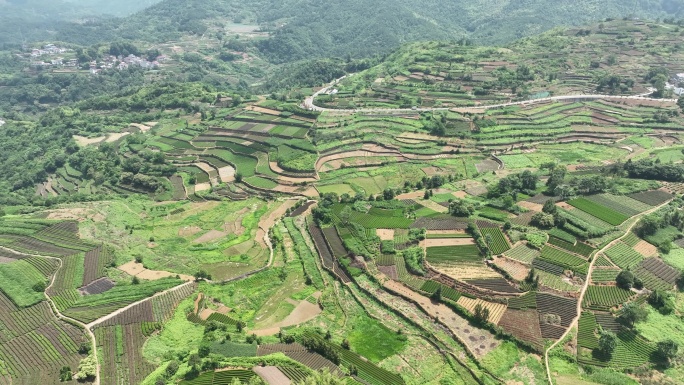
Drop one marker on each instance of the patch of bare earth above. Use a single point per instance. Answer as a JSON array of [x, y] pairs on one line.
[[188, 231], [272, 375], [646, 249], [564, 206], [303, 312], [430, 232], [211, 235], [202, 187], [434, 242], [138, 270], [478, 341], [385, 234], [227, 174], [531, 206], [460, 194]]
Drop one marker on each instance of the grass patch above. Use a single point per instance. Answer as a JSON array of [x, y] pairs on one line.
[[17, 280], [373, 340]]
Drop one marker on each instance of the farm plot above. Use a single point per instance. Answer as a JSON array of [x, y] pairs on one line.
[[623, 256], [499, 285], [439, 224], [453, 254], [321, 246], [599, 211], [335, 242], [565, 308], [605, 297], [586, 335], [604, 275], [555, 282], [496, 240], [122, 358], [621, 204], [299, 353], [496, 310], [523, 325], [95, 263], [17, 282], [656, 275], [516, 270], [562, 258], [652, 198], [34, 345], [578, 248], [375, 221], [222, 377], [631, 351], [523, 253], [523, 302]]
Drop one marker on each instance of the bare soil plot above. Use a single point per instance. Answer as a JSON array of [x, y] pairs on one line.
[[460, 194], [227, 174], [6, 260], [564, 206], [487, 165], [531, 206], [464, 271], [432, 205], [77, 213], [444, 232], [432, 242], [83, 141], [263, 110], [138, 270], [114, 137], [478, 341], [303, 312], [206, 313], [390, 271], [516, 270], [141, 127], [188, 231], [211, 235], [271, 375], [385, 234], [646, 249], [202, 187], [410, 195]]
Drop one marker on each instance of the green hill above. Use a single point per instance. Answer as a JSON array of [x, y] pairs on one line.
[[302, 29]]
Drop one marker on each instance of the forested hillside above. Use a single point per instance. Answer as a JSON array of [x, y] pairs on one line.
[[301, 29], [28, 20]]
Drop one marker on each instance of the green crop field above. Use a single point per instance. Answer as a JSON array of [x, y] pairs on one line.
[[453, 254], [496, 240], [601, 212]]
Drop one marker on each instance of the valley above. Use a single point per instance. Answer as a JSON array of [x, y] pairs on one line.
[[448, 213]]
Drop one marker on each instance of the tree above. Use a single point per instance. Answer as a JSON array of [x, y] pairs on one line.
[[238, 177], [661, 301], [680, 102], [632, 313], [667, 352], [543, 220], [481, 314], [437, 295], [345, 344], [550, 207], [65, 374], [322, 378], [204, 351], [135, 281], [171, 368], [2, 212], [607, 343], [388, 194], [345, 215], [239, 326], [625, 279], [84, 348]]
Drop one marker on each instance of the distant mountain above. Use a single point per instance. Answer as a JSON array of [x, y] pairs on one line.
[[303, 29], [30, 20]]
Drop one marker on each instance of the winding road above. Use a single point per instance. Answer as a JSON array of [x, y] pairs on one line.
[[309, 102]]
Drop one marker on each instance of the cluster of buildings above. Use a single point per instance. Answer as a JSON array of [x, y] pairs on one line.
[[39, 60], [122, 63], [677, 84]]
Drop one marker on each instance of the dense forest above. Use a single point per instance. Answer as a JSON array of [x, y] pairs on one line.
[[315, 28]]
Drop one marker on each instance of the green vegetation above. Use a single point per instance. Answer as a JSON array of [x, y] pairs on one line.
[[22, 283]]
